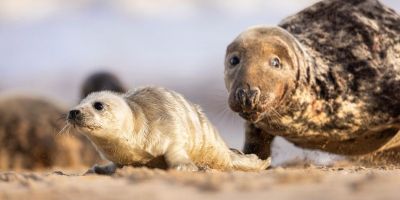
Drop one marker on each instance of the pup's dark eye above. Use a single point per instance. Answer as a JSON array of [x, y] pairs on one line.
[[98, 106], [275, 62], [234, 61]]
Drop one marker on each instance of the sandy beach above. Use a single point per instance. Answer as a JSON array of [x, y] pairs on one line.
[[298, 183], [48, 48]]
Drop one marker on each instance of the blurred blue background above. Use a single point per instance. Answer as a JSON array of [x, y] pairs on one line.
[[47, 47]]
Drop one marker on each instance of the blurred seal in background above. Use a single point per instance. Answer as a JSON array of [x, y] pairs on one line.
[[29, 127], [28, 140]]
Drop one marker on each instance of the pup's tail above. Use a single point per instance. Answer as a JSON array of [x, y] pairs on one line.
[[248, 162]]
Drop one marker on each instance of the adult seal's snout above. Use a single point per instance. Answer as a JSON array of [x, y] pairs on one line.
[[247, 98]]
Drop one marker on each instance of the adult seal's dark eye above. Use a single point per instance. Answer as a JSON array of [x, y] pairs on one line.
[[275, 62], [234, 61], [98, 106]]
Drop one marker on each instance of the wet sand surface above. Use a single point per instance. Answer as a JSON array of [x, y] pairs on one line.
[[306, 182]]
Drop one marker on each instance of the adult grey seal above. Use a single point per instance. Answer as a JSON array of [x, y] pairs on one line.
[[327, 78], [148, 123]]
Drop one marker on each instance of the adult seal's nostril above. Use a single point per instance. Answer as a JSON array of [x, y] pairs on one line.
[[248, 98], [241, 96], [73, 114], [254, 97]]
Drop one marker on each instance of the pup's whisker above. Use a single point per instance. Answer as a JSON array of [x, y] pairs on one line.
[[64, 130]]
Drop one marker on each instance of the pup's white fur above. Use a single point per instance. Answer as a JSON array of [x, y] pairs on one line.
[[137, 127]]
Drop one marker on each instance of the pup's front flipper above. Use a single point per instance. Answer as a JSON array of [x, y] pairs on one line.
[[236, 151], [185, 167], [178, 159], [103, 170], [248, 162]]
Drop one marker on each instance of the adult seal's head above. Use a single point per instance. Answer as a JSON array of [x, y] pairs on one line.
[[262, 67]]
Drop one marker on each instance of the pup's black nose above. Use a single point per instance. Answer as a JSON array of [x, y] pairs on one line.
[[73, 114]]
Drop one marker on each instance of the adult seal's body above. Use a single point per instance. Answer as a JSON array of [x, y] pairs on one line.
[[327, 78], [139, 127]]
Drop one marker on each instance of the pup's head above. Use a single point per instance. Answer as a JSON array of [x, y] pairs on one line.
[[101, 114]]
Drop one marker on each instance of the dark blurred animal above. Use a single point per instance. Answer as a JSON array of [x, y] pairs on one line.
[[101, 81]]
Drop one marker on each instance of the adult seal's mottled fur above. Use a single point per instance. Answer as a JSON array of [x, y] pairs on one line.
[[326, 78], [141, 126]]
